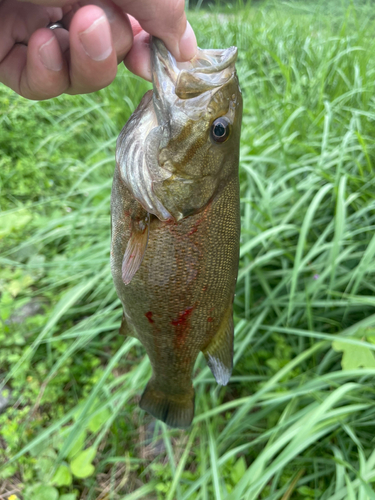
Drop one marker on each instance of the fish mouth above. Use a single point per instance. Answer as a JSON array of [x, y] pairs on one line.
[[208, 70]]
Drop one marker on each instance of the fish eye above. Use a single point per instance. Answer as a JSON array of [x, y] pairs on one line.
[[220, 129]]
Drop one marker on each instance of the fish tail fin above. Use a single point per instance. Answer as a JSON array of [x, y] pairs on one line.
[[174, 410]]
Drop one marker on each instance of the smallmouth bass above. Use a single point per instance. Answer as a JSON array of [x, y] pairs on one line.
[[176, 224]]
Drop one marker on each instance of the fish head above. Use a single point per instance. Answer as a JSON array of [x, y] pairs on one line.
[[198, 106], [181, 146]]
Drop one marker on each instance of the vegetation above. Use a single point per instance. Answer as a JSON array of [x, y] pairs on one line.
[[297, 419]]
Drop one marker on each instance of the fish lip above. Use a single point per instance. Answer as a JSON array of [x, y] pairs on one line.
[[160, 56], [164, 70], [205, 61], [217, 59], [209, 69]]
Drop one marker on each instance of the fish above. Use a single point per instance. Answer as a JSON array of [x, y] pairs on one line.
[[175, 224]]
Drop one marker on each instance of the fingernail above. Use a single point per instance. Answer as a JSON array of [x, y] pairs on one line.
[[50, 58], [97, 40], [188, 44]]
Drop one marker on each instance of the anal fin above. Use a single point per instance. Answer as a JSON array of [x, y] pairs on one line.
[[124, 329], [136, 248], [219, 352]]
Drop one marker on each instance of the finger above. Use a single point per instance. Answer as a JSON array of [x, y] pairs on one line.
[[19, 21], [50, 3], [138, 59], [46, 68], [93, 60], [62, 36], [119, 22], [37, 71], [165, 19], [136, 27]]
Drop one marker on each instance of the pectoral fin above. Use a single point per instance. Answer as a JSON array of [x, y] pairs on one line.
[[219, 352], [136, 248]]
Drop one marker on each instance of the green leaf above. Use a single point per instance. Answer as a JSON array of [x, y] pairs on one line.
[[98, 420], [63, 476], [306, 491], [78, 445], [17, 286], [36, 266], [8, 471], [68, 496], [45, 466], [13, 222], [44, 492], [45, 463], [37, 450], [81, 466], [354, 356], [238, 470]]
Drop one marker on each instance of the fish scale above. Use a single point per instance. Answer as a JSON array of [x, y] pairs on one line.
[[180, 284]]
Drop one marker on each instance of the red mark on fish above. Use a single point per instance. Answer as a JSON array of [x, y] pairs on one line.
[[196, 225], [182, 317], [182, 325], [149, 317], [210, 320], [170, 222], [200, 220]]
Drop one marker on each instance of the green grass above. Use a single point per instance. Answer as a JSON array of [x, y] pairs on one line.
[[297, 419]]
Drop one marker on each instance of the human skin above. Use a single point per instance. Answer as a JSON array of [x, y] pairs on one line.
[[39, 63]]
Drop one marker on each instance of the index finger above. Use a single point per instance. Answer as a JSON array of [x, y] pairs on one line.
[[164, 19]]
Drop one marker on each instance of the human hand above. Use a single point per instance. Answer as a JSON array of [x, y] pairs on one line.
[[39, 63]]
